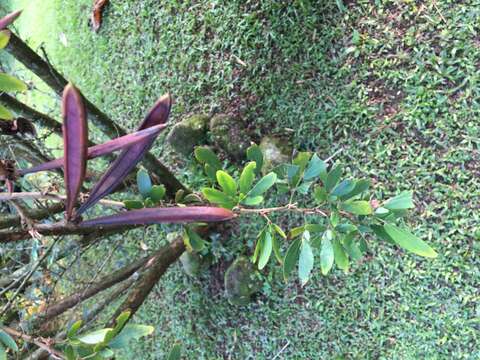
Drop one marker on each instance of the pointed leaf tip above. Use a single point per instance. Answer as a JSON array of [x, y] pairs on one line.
[[75, 139], [9, 19], [162, 215], [129, 158]]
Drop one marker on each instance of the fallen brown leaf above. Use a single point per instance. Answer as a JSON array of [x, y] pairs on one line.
[[97, 13]]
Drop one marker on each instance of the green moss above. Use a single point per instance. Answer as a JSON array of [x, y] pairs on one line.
[[188, 133], [240, 282], [275, 151], [229, 133]]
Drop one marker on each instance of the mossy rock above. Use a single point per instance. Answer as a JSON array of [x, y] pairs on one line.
[[240, 282], [188, 133], [191, 263], [230, 134], [276, 151]]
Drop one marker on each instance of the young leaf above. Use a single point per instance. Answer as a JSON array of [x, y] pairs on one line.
[[402, 201], [5, 114], [128, 333], [276, 249], [409, 241], [10, 18], [291, 258], [75, 140], [344, 188], [162, 215], [226, 182], [333, 177], [133, 204], [279, 230], [8, 341], [263, 184], [108, 147], [359, 207], [9, 83], [144, 182], [305, 262], [247, 177], [265, 250], [252, 201], [315, 168], [326, 252], [360, 187], [129, 157], [217, 197], [72, 332], [254, 153], [4, 38], [259, 244], [158, 192], [193, 240], [204, 155], [341, 258]]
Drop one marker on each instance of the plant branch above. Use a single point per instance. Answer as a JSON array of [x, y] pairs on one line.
[[288, 207], [51, 196]]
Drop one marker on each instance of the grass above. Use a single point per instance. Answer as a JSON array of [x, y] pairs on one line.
[[393, 84]]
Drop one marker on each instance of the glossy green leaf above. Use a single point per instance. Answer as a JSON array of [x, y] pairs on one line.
[[133, 204], [320, 194], [258, 246], [358, 207], [301, 160], [130, 332], [9, 83], [72, 331], [254, 153], [351, 247], [360, 187], [291, 258], [193, 241], [5, 114], [265, 250], [157, 193], [333, 177], [247, 177], [292, 174], [263, 184], [409, 241], [326, 252], [341, 258], [305, 261], [4, 38], [217, 197], [379, 230], [211, 172], [8, 341], [402, 201], [226, 182], [343, 188], [205, 155], [144, 182], [276, 249], [94, 337], [252, 200], [279, 231], [315, 167]]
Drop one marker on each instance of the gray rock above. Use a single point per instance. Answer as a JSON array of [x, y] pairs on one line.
[[240, 282], [275, 151], [188, 133]]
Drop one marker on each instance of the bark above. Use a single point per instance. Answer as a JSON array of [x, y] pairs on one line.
[[23, 53], [150, 277]]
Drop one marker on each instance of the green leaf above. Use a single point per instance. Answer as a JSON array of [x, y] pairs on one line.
[[402, 201], [344, 188], [252, 201], [265, 250], [247, 177], [74, 329], [157, 193], [133, 204], [206, 156], [226, 182], [8, 341], [351, 246], [175, 353], [120, 321], [276, 249], [305, 262], [217, 197], [106, 353], [3, 353], [292, 174], [5, 114], [4, 38], [301, 160], [326, 252], [254, 153], [360, 187], [341, 258], [320, 194], [333, 177], [128, 333], [316, 166], [258, 247], [291, 258], [9, 83], [358, 207], [94, 337], [193, 241], [144, 183], [69, 353], [379, 230], [263, 184], [409, 241], [279, 230]]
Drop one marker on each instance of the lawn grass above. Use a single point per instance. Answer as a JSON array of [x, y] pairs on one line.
[[392, 84]]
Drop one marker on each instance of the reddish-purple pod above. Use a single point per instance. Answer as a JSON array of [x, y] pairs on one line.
[[108, 147], [171, 215], [10, 18], [75, 140], [129, 158]]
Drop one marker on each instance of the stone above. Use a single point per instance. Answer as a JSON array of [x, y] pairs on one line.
[[276, 151], [240, 282], [191, 263], [230, 134], [188, 133]]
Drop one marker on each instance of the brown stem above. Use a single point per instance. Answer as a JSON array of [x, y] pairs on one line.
[[288, 207], [23, 53], [54, 197], [34, 214], [150, 277]]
